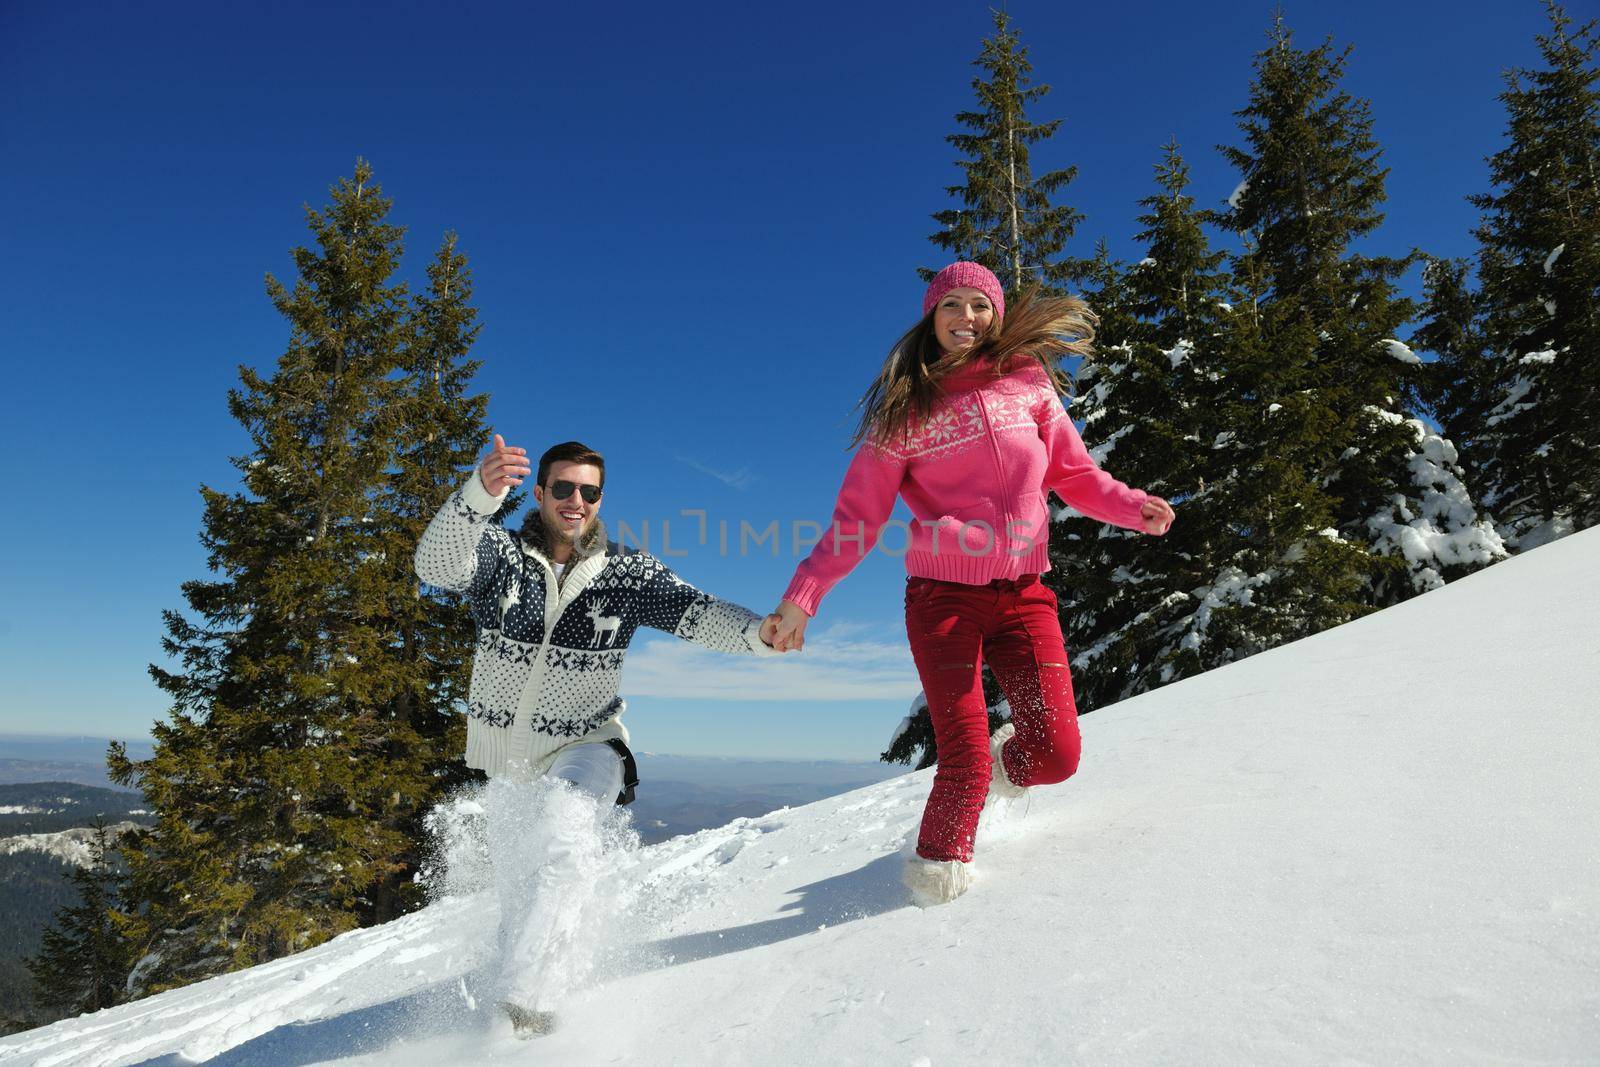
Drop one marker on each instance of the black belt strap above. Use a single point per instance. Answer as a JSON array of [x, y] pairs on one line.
[[630, 770]]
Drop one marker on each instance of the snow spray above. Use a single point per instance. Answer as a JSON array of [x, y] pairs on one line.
[[549, 866]]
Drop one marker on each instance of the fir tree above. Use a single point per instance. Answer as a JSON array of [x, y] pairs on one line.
[[1338, 498], [1008, 220], [440, 435], [1458, 386], [1080, 573], [1539, 270], [83, 959], [290, 777], [1009, 223], [1103, 284], [1148, 398]]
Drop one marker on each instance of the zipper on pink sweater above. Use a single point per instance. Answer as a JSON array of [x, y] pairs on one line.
[[1000, 471]]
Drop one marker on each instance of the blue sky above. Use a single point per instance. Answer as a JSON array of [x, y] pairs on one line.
[[694, 232]]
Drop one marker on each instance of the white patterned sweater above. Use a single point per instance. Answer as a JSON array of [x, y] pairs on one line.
[[549, 656]]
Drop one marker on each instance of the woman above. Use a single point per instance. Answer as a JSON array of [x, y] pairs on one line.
[[965, 422]]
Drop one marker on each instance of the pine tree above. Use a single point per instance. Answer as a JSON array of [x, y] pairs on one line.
[[1339, 498], [1148, 398], [1009, 223], [1008, 220], [288, 780], [440, 435], [1458, 385], [1539, 270], [1080, 572], [83, 959]]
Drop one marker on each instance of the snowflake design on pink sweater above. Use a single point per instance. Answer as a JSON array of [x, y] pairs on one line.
[[1010, 410], [952, 427], [958, 423]]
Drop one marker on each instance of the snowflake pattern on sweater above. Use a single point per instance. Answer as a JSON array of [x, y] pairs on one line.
[[959, 423], [549, 655]]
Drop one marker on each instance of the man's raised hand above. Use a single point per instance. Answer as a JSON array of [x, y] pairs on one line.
[[503, 467]]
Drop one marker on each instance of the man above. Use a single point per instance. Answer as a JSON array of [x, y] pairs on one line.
[[556, 606]]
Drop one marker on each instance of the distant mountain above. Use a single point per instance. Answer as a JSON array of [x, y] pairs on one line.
[[740, 771], [52, 806], [73, 748], [26, 771], [43, 831], [33, 885], [47, 758], [687, 794]]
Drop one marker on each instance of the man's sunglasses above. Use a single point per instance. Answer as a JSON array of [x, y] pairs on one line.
[[563, 489]]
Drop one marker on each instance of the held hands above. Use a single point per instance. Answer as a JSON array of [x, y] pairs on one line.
[[503, 467], [1157, 515], [785, 628]]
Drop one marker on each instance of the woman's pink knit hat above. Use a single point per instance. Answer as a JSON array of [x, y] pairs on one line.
[[964, 275]]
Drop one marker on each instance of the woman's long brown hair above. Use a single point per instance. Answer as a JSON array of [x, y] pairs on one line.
[[1042, 328]]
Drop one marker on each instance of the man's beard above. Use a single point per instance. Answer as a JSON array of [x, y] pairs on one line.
[[587, 539], [539, 532], [556, 533]]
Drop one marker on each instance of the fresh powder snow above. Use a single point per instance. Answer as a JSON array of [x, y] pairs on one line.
[[1179, 353], [1400, 351], [1377, 845]]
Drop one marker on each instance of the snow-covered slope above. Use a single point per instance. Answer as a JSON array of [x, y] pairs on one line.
[[1381, 844]]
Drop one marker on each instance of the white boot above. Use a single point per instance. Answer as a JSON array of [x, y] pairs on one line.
[[1000, 786], [935, 881], [528, 1023]]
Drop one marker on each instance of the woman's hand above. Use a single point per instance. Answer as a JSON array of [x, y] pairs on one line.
[[503, 467], [785, 628], [1157, 515]]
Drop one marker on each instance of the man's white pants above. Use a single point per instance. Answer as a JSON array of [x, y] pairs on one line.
[[545, 866]]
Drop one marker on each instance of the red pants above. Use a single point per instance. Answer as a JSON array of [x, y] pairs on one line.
[[1013, 626]]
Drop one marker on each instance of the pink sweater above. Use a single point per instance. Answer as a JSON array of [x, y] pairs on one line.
[[974, 475]]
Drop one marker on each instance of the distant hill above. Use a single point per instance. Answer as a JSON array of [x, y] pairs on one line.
[[49, 807], [28, 771], [26, 758], [33, 885], [80, 748], [42, 832], [687, 794]]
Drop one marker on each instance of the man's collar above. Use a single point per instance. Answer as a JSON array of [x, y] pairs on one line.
[[535, 539]]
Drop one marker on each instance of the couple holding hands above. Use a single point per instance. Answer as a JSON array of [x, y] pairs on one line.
[[965, 422]]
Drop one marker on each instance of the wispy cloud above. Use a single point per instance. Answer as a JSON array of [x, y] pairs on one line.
[[845, 661], [740, 479]]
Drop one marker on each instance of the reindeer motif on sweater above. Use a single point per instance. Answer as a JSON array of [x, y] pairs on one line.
[[604, 625]]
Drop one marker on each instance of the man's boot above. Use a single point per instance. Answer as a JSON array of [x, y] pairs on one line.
[[526, 1022]]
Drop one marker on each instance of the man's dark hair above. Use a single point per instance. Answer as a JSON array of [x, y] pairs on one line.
[[571, 452]]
